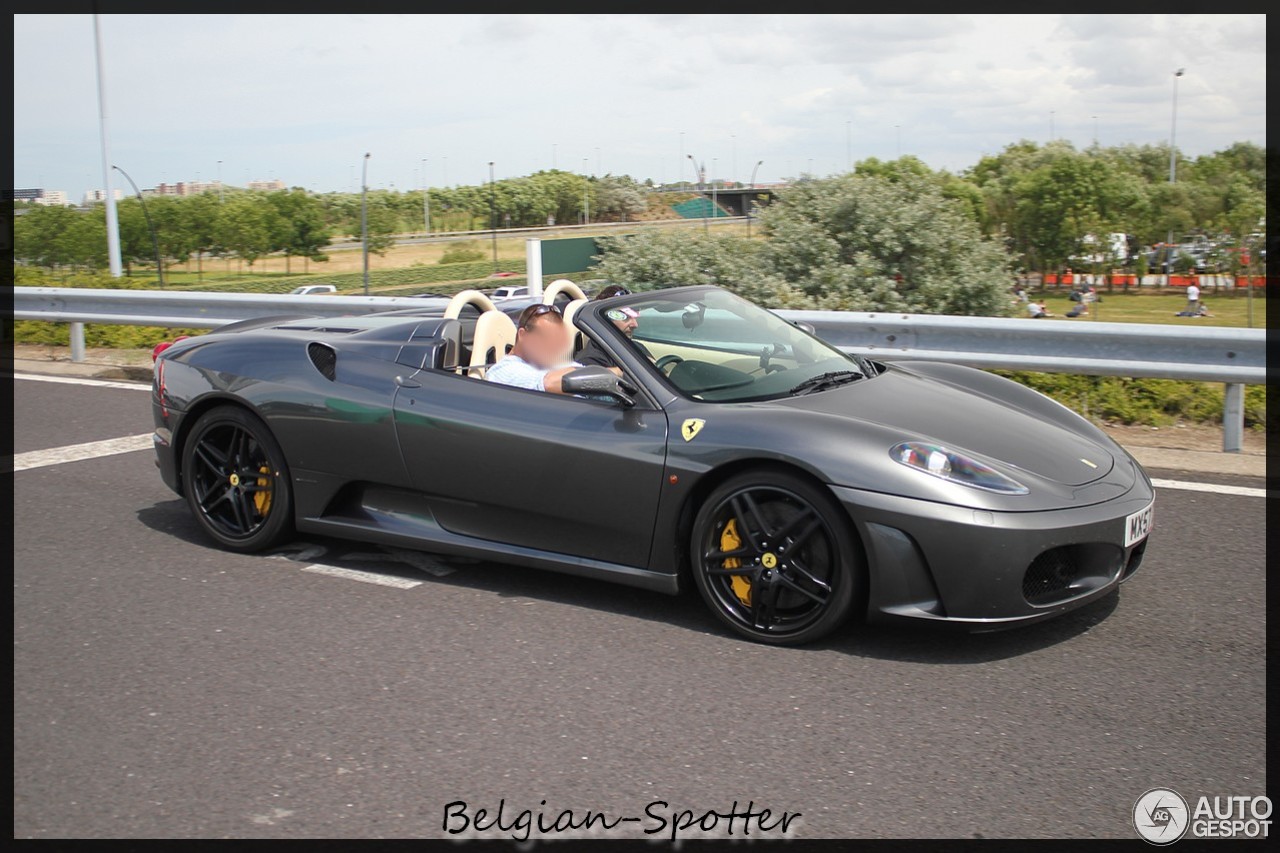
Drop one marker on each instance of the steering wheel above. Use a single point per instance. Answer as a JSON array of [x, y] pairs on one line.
[[667, 361]]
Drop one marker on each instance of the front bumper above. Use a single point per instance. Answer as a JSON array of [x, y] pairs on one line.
[[986, 571]]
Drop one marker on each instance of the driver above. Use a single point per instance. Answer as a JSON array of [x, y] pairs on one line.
[[540, 360], [625, 319]]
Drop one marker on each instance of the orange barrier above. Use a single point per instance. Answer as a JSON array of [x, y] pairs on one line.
[[1123, 279]]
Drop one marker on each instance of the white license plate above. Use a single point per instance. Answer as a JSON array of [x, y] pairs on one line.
[[1138, 525]]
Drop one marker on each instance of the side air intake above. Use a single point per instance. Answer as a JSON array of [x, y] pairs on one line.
[[324, 358]]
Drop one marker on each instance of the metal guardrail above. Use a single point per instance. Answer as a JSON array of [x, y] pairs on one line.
[[1236, 357]]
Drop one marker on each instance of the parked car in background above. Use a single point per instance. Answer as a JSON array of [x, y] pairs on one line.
[[313, 290], [510, 292]]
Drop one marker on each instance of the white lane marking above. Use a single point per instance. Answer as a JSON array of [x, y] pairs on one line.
[[1210, 487], [366, 577], [75, 380], [77, 452]]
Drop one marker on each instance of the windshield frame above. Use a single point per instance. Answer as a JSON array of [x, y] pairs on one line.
[[592, 320]]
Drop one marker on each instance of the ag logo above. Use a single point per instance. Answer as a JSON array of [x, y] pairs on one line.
[[691, 428], [1161, 816]]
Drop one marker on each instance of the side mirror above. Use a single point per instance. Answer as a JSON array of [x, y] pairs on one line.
[[599, 382]]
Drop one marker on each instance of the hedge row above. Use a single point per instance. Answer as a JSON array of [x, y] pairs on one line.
[[1146, 401], [425, 274]]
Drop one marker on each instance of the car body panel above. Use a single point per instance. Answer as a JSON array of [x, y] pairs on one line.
[[391, 447]]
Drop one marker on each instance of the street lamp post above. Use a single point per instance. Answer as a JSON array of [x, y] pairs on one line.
[[155, 241], [1173, 171], [750, 203], [715, 209], [698, 177], [680, 172], [493, 218], [586, 199], [426, 197], [364, 220], [221, 196]]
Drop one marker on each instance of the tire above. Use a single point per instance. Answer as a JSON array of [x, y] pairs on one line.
[[235, 480], [775, 558]]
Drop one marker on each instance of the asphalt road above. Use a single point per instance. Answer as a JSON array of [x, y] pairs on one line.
[[163, 688]]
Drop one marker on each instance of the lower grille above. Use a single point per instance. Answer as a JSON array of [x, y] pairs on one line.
[[1135, 558], [1069, 571]]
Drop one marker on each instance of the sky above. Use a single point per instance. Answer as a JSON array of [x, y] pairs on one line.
[[302, 98]]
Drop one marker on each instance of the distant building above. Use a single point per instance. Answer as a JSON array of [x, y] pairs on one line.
[[39, 195], [99, 196], [274, 184]]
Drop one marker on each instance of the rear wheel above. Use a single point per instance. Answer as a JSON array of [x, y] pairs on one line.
[[774, 558], [235, 480]]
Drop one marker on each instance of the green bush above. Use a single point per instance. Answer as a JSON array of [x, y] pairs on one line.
[[462, 253], [1151, 402]]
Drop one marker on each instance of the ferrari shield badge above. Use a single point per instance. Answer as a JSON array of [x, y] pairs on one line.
[[691, 428]]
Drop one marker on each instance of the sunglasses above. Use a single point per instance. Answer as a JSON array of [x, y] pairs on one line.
[[533, 312]]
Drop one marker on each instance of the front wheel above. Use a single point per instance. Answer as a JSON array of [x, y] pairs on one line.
[[774, 558], [235, 480]]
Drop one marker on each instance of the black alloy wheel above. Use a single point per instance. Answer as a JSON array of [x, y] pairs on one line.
[[774, 558], [235, 480]]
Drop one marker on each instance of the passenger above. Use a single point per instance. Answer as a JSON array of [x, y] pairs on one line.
[[625, 319], [540, 360]]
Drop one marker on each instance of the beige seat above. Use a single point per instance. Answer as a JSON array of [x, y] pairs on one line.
[[563, 285], [494, 331], [569, 311]]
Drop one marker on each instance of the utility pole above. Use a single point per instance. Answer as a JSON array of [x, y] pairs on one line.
[[1173, 171], [109, 197], [155, 241], [493, 218], [426, 197], [586, 200], [699, 175], [364, 220]]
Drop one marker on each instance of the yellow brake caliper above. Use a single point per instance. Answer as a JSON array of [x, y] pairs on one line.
[[262, 499], [730, 541]]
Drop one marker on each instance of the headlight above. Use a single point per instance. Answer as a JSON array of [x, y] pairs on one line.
[[955, 467]]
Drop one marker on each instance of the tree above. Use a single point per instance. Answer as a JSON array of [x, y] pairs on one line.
[[199, 217], [858, 242], [854, 243], [60, 237], [246, 224], [382, 224], [619, 198], [301, 227]]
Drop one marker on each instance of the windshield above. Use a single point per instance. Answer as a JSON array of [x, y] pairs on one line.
[[717, 347]]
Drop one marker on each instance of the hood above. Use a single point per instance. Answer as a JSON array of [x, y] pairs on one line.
[[993, 430]]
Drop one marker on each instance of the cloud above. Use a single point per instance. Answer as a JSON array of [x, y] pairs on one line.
[[305, 95]]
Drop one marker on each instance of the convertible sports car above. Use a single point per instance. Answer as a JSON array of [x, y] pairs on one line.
[[797, 486]]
